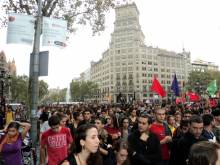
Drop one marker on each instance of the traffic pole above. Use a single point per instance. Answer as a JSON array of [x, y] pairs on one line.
[[33, 75]]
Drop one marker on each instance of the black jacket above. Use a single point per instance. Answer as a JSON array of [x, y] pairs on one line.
[[184, 145], [144, 152]]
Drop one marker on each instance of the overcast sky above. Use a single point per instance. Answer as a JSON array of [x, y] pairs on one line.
[[167, 24]]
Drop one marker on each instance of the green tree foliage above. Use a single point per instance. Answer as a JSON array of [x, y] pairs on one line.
[[19, 88], [43, 89], [199, 80], [81, 90], [54, 96], [74, 11]]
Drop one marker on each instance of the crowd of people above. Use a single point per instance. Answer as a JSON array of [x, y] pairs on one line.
[[121, 134], [127, 134]]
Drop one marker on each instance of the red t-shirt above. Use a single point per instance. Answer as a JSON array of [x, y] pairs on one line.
[[57, 144], [159, 130]]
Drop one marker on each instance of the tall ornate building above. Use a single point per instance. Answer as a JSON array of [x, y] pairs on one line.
[[127, 68], [7, 69]]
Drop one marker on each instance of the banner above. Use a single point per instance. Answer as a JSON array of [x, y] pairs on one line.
[[20, 29], [54, 32]]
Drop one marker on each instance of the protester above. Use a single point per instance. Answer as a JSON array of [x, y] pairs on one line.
[[181, 130], [144, 146], [193, 136], [63, 119], [178, 118], [9, 115], [113, 129], [216, 129], [171, 123], [87, 117], [179, 133], [204, 153], [133, 117], [55, 141], [125, 129], [11, 143], [121, 149], [208, 121], [161, 129], [187, 115], [77, 117], [85, 149]]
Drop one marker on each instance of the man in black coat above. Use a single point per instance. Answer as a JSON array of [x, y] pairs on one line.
[[193, 136], [143, 146]]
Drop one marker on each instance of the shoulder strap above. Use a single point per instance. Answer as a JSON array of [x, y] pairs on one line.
[[167, 129]]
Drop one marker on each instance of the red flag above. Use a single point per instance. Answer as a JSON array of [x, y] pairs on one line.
[[213, 103], [180, 100], [193, 96], [156, 87]]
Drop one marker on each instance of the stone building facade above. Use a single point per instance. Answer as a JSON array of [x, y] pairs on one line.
[[127, 68]]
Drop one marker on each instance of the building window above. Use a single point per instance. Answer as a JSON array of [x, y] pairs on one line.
[[149, 75]]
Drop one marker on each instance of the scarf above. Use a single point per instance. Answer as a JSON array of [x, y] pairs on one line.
[[8, 140]]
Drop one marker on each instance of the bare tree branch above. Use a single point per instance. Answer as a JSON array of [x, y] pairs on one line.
[[26, 7], [46, 7], [52, 8], [13, 5]]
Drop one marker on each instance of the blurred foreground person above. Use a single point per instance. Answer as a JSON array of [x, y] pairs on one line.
[[85, 150], [204, 153]]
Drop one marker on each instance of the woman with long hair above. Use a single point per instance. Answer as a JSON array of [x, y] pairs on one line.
[[112, 128], [85, 149], [11, 142]]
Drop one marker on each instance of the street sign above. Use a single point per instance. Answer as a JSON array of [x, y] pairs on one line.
[[20, 29], [43, 63], [54, 32]]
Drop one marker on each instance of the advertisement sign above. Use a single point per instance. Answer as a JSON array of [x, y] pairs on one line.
[[20, 29], [54, 32]]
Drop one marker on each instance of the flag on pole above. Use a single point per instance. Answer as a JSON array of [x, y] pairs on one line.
[[156, 87], [212, 88], [194, 97], [175, 86]]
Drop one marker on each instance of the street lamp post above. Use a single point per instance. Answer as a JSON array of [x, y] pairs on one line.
[[9, 88], [2, 79], [34, 73]]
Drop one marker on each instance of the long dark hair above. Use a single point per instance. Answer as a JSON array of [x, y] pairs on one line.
[[13, 125], [81, 133]]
